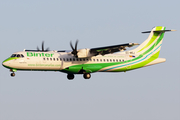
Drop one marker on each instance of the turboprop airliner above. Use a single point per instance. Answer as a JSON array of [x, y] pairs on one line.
[[86, 61]]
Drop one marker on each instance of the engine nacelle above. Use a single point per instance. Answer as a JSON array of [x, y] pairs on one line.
[[84, 53]]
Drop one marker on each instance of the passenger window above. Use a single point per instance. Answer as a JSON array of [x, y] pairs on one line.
[[104, 60], [57, 59], [77, 59], [123, 60], [90, 59], [94, 59], [44, 58], [110, 60], [97, 60], [67, 59], [116, 60], [54, 59], [84, 59], [113, 60], [80, 59], [101, 60], [63, 59], [107, 60], [60, 59], [119, 60], [70, 59], [73, 59], [47, 58], [50, 58], [87, 59]]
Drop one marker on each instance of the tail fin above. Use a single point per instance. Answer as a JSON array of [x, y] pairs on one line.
[[153, 42]]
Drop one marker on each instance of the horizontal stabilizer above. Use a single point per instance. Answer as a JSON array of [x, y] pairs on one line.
[[159, 31]]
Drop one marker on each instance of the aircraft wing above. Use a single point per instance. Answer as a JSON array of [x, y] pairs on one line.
[[111, 49]]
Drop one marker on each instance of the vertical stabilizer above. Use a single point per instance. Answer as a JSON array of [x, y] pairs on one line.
[[153, 42]]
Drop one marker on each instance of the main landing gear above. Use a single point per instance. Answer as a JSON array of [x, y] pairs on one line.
[[70, 76], [85, 75]]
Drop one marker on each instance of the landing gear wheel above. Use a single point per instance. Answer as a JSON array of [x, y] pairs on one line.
[[70, 76], [87, 75], [12, 74]]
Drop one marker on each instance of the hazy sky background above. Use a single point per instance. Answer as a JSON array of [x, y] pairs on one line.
[[150, 93]]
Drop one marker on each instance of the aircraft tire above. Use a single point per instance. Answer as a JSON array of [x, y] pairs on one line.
[[12, 74], [87, 75], [70, 76]]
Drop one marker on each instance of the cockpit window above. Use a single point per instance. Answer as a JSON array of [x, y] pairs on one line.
[[17, 55], [22, 55], [13, 55]]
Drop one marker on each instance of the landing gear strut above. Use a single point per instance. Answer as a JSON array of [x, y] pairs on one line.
[[70, 76], [87, 75], [12, 74]]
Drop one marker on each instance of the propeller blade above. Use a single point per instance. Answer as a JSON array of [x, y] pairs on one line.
[[42, 45], [72, 46], [38, 48], [76, 45], [47, 49], [74, 52]]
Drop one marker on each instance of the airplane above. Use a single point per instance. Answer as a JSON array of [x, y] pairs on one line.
[[86, 61]]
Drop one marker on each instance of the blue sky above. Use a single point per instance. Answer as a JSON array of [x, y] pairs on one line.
[[150, 93]]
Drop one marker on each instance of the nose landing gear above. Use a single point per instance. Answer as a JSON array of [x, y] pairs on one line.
[[12, 74], [13, 70]]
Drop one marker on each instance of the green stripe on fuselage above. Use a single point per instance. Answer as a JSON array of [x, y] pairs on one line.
[[90, 68], [11, 58], [139, 65], [94, 67]]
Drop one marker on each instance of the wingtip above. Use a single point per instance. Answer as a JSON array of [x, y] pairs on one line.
[[136, 44], [133, 44]]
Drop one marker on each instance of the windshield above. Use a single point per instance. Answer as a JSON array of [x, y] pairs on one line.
[[17, 55], [13, 55]]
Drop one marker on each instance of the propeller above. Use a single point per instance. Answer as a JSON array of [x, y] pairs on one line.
[[74, 52], [47, 49]]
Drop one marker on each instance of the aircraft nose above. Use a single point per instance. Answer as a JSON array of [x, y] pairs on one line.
[[5, 63]]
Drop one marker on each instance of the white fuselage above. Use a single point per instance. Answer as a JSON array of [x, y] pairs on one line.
[[58, 60]]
